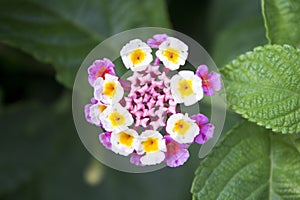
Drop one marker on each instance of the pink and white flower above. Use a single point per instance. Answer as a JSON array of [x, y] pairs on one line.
[[210, 81], [177, 154], [124, 142], [99, 68], [132, 123], [206, 130], [181, 128], [173, 53], [108, 91], [136, 55], [186, 88], [152, 147]]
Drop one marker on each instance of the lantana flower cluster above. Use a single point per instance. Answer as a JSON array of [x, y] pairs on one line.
[[140, 114]]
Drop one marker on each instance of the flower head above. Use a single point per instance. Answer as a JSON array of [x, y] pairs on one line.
[[177, 154], [152, 147], [150, 101], [136, 55], [186, 88], [206, 130], [99, 68], [115, 118], [105, 139], [157, 40], [108, 91], [181, 128], [172, 52], [124, 142], [210, 82]]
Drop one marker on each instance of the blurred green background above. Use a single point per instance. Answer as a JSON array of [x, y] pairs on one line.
[[42, 44]]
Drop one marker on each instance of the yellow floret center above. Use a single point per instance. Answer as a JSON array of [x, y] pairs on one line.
[[109, 89], [181, 127], [150, 145], [102, 108], [171, 54], [126, 139], [116, 118], [137, 56], [185, 87]]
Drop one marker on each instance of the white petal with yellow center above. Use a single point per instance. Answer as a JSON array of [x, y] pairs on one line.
[[186, 88], [116, 118], [95, 112], [181, 128], [108, 91], [136, 55], [173, 53], [152, 146], [124, 142]]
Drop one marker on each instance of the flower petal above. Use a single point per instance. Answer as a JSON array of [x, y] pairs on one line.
[[153, 158], [178, 159], [156, 40], [206, 133], [200, 119], [136, 159], [105, 139], [215, 80]]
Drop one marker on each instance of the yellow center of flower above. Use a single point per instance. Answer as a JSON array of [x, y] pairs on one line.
[[171, 54], [116, 118], [181, 127], [150, 145], [185, 87], [102, 108], [137, 56], [109, 89], [126, 139]]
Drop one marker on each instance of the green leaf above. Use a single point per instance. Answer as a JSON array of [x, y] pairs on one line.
[[282, 21], [63, 32], [238, 31], [250, 163], [264, 86]]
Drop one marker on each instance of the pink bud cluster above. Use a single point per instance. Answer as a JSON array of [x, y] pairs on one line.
[[150, 99]]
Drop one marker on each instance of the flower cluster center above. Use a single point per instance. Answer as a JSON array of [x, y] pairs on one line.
[[150, 99]]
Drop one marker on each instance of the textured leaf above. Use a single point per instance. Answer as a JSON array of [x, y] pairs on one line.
[[282, 21], [238, 31], [250, 163], [264, 86], [63, 32]]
